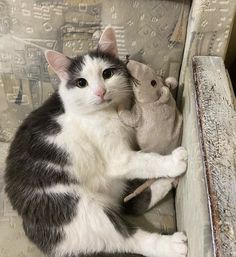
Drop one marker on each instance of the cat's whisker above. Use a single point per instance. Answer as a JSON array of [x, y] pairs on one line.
[[126, 90], [121, 90]]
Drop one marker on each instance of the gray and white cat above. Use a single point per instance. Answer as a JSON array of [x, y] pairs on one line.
[[71, 162]]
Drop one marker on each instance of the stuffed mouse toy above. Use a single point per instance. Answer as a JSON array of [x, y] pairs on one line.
[[154, 116]]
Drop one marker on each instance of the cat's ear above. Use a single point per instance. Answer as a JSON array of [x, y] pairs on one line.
[[107, 42], [59, 63]]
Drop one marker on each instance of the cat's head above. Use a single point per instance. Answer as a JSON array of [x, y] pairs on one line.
[[95, 80], [147, 88]]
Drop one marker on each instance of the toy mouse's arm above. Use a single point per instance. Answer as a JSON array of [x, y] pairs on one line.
[[165, 96], [129, 117], [171, 83]]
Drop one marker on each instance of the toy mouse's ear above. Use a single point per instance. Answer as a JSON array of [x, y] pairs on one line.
[[134, 67], [107, 42], [171, 83], [59, 63]]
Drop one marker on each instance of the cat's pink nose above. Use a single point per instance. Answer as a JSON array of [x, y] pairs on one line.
[[100, 92]]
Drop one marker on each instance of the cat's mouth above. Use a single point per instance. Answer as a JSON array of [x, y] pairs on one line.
[[104, 101]]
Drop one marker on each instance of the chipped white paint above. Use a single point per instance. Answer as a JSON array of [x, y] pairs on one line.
[[217, 122]]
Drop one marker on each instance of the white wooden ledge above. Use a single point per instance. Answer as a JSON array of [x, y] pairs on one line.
[[217, 127]]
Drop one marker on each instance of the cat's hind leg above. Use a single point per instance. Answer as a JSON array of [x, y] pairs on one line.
[[97, 229], [156, 245]]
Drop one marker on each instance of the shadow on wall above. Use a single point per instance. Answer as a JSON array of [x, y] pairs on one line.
[[230, 60]]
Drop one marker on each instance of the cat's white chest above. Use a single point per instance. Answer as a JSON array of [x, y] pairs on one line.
[[93, 143], [107, 129]]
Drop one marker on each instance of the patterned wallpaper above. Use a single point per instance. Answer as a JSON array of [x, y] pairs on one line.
[[150, 31]]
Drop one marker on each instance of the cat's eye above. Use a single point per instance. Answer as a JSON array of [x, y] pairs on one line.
[[107, 73], [81, 83], [153, 83]]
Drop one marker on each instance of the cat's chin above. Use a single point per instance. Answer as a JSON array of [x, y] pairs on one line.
[[98, 106], [102, 104]]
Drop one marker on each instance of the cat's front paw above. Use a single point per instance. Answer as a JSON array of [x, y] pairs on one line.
[[179, 162]]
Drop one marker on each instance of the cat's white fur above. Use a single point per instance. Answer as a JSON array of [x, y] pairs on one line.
[[101, 157]]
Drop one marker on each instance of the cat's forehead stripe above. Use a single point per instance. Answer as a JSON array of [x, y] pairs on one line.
[[76, 64], [91, 65], [87, 61]]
